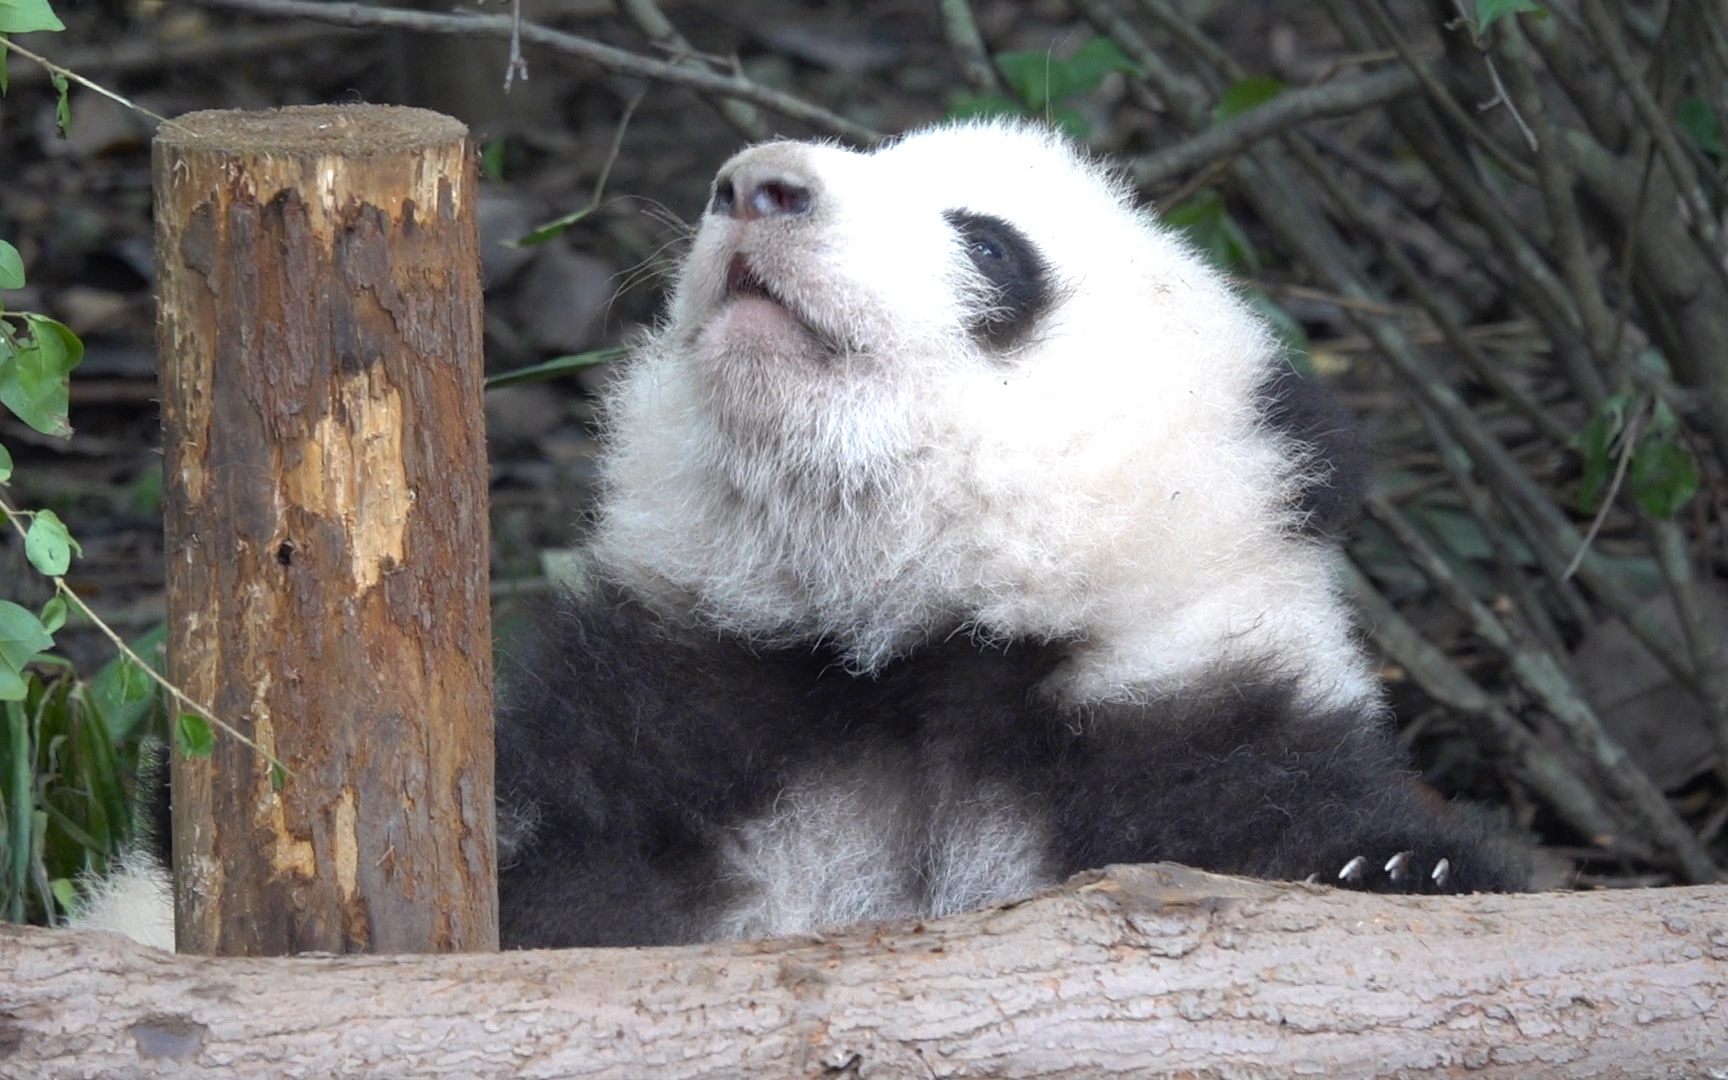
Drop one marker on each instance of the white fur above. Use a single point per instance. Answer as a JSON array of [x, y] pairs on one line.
[[135, 899], [854, 466], [864, 841]]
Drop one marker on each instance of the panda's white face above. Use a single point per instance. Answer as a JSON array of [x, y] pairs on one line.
[[962, 383]]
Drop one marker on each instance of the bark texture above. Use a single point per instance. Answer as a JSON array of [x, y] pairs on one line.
[[1135, 971], [325, 509]]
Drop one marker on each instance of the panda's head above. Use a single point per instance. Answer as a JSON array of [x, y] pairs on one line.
[[959, 382]]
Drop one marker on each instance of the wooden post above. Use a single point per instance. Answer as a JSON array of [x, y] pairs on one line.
[[325, 503]]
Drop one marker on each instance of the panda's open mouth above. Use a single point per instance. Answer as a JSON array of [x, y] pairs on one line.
[[742, 282]]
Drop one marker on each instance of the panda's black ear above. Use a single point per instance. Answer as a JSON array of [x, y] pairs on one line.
[[1305, 410], [1018, 276]]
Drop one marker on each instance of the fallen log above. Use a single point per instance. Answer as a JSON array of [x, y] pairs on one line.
[[1133, 971]]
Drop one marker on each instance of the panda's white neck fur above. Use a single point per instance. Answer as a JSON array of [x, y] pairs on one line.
[[1108, 482]]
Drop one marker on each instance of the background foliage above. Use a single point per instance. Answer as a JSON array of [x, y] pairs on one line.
[[1496, 226]]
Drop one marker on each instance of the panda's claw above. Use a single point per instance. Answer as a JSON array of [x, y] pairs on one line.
[[1397, 864], [1442, 870], [1352, 871]]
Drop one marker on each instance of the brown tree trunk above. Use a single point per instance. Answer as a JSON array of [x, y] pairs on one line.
[[1135, 971], [326, 529]]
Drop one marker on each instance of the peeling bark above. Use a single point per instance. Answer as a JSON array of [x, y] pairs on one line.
[[325, 506]]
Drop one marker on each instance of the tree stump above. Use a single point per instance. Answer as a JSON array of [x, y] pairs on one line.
[[325, 504]]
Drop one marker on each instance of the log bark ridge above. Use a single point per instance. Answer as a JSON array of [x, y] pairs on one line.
[[325, 505], [1153, 971]]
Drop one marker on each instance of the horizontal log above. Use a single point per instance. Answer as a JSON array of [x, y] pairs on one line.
[[1143, 971]]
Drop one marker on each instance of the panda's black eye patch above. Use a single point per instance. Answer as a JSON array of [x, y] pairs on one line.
[[1018, 277]]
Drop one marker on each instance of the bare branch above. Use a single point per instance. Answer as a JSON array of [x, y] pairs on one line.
[[1288, 110], [734, 86], [647, 17], [968, 47]]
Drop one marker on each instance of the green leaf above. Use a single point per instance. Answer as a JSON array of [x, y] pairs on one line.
[[27, 17], [134, 682], [53, 615], [5, 465], [48, 545], [193, 737], [33, 380], [278, 776], [1039, 78], [12, 685], [22, 637], [551, 230], [492, 159], [1084, 72], [1663, 473], [11, 267], [63, 108], [1246, 94], [1206, 220], [1488, 12], [144, 493], [65, 893], [1701, 124], [1027, 72], [1595, 445], [553, 368], [121, 691]]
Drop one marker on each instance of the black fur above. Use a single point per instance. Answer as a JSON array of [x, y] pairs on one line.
[[1018, 275], [635, 745], [1306, 410]]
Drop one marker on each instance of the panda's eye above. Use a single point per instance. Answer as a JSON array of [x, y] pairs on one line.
[[985, 248], [1011, 265]]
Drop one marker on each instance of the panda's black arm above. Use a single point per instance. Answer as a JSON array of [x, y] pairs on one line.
[[1247, 781], [623, 744]]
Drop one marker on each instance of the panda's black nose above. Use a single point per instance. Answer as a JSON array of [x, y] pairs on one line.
[[756, 185]]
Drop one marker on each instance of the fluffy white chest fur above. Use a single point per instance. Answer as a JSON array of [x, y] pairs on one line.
[[849, 459]]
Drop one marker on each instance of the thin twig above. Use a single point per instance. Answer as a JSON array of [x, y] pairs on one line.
[[1571, 250], [1699, 217], [647, 17], [1545, 677], [141, 54], [1288, 110], [1501, 97], [1628, 445], [1193, 39], [14, 517], [516, 64], [1444, 100], [612, 59], [967, 45], [1437, 674], [86, 83]]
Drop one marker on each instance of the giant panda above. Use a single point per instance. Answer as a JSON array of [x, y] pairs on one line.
[[960, 529]]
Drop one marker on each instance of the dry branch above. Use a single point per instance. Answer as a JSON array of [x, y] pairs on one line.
[[733, 87], [1142, 971]]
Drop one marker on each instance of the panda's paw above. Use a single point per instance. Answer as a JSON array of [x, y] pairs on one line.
[[1399, 874]]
